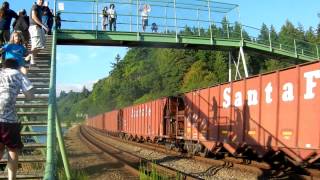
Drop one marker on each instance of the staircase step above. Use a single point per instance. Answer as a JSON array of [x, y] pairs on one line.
[[40, 113], [24, 175], [30, 123], [45, 75], [38, 86], [36, 98], [32, 106], [27, 159], [33, 145], [37, 70], [39, 79], [25, 133], [42, 64], [41, 91], [42, 61]]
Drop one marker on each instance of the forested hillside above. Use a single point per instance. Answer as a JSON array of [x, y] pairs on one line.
[[149, 73]]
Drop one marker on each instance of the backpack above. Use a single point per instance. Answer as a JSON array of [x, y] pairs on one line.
[[105, 12]]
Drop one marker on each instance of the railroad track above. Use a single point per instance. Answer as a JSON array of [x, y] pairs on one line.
[[132, 163], [259, 167]]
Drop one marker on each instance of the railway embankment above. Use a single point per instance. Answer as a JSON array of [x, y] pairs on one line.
[[93, 163]]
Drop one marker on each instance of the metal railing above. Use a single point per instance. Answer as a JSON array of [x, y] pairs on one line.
[[201, 18], [54, 131]]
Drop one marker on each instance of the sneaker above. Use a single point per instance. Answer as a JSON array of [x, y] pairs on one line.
[[32, 62], [28, 58]]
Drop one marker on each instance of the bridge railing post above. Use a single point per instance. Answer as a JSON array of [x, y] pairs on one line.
[[165, 20], [209, 12], [295, 47], [198, 22], [92, 16], [270, 43], [241, 27], [137, 22], [97, 15], [317, 48], [175, 19], [228, 32], [130, 15]]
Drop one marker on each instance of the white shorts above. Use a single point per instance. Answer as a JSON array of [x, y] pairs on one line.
[[37, 37], [104, 21]]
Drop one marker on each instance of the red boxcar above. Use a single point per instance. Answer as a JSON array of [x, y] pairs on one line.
[[112, 121], [144, 120], [278, 111], [96, 122], [274, 111]]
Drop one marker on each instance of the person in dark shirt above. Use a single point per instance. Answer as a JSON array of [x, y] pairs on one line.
[[50, 21], [47, 16], [22, 25], [58, 21], [6, 15], [36, 30]]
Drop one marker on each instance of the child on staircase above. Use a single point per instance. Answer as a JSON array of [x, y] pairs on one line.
[[15, 50]]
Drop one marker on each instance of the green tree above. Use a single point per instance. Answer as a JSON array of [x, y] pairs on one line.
[[264, 35]]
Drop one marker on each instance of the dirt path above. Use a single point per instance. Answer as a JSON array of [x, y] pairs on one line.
[[93, 162]]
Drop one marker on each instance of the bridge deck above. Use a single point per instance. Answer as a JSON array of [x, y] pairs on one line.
[[134, 39]]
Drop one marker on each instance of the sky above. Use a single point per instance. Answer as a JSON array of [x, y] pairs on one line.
[[79, 66]]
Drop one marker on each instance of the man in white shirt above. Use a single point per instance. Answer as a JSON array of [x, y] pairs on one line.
[[11, 82], [112, 14]]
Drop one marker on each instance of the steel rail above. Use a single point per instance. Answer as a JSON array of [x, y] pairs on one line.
[[102, 144], [253, 166]]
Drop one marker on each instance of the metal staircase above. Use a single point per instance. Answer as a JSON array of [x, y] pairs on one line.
[[33, 117]]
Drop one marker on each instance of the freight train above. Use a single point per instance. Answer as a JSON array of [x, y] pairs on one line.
[[270, 115]]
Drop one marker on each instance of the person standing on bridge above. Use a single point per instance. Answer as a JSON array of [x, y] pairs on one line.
[[36, 30], [104, 18], [11, 82], [58, 21], [112, 18], [144, 16]]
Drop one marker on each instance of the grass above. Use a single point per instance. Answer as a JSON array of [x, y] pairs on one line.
[[151, 173], [76, 174]]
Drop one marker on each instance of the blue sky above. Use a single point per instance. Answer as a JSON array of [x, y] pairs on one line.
[[79, 65]]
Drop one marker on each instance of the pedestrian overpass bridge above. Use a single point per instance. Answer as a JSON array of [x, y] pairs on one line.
[[196, 24], [158, 40]]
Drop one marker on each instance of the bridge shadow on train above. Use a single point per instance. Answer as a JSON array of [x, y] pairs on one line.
[[236, 133]]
